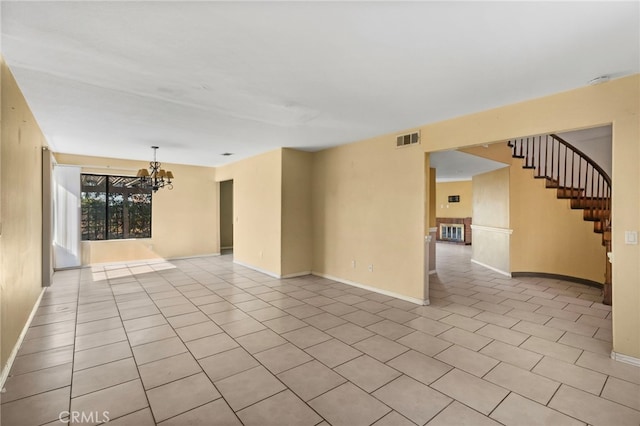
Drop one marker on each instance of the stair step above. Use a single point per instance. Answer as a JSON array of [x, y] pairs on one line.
[[552, 183], [594, 209], [596, 215], [587, 202], [564, 192], [598, 229], [606, 237]]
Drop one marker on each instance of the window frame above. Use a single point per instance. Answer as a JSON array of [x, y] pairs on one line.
[[108, 185]]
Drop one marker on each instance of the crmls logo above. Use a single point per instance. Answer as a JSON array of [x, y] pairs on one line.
[[84, 417]]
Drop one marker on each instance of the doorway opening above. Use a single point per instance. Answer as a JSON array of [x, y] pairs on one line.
[[226, 217]]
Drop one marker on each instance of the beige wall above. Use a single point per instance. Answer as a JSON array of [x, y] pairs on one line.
[[184, 220], [296, 212], [446, 209], [548, 236], [491, 231], [226, 214], [496, 152], [20, 213], [94, 252], [369, 207], [257, 209], [616, 102], [491, 198]]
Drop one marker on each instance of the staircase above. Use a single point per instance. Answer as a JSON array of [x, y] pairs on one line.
[[574, 176]]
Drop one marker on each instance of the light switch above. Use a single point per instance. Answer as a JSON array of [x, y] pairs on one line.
[[631, 237]]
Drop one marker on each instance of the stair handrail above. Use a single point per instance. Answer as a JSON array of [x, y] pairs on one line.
[[600, 200], [585, 156]]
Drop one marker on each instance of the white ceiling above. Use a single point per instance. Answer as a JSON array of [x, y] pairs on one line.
[[454, 166], [585, 135], [203, 78]]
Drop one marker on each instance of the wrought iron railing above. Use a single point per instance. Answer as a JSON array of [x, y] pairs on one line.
[[575, 176], [573, 173]]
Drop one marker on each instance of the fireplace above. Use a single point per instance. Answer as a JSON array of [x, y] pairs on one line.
[[454, 230]]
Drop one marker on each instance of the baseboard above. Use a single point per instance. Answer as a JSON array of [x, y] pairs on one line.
[[492, 268], [272, 274], [4, 374], [193, 257], [255, 268], [69, 268], [296, 274], [374, 289], [559, 277], [625, 358]]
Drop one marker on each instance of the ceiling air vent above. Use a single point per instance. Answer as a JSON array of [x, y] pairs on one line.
[[408, 139]]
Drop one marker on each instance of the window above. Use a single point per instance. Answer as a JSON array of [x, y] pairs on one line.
[[114, 208]]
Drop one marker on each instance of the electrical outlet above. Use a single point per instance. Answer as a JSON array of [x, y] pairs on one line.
[[371, 268], [353, 264], [260, 254]]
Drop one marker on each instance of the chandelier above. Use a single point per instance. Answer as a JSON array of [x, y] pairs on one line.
[[155, 177]]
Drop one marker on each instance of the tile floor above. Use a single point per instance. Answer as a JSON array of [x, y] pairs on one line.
[[205, 341]]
